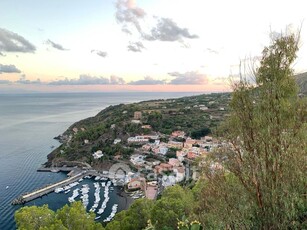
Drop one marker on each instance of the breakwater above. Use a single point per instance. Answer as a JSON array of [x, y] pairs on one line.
[[24, 198]]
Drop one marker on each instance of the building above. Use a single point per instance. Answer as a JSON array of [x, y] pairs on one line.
[[137, 159], [178, 134], [98, 154], [163, 167], [117, 140], [137, 139], [180, 173], [175, 144], [134, 184], [137, 115], [174, 162], [151, 190], [146, 126]]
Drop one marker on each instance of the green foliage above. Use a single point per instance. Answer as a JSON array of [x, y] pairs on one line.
[[72, 217], [263, 182], [197, 134], [174, 203], [34, 217], [134, 218]]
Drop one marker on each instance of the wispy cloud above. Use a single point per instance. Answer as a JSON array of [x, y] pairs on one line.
[[12, 42], [100, 53], [130, 17], [188, 78], [55, 45], [23, 80], [4, 82], [213, 51], [115, 80], [85, 79], [148, 81], [167, 30], [9, 69], [135, 46], [127, 14]]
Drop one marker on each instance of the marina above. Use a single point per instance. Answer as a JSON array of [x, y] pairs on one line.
[[75, 176]]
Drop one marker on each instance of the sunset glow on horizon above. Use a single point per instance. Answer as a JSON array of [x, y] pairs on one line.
[[126, 45]]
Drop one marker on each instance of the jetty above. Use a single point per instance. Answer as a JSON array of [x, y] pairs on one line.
[[47, 189], [74, 173]]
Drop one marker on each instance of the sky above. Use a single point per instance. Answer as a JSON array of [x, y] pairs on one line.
[[130, 45]]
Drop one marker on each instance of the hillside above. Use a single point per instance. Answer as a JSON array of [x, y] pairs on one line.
[[196, 116], [301, 80]]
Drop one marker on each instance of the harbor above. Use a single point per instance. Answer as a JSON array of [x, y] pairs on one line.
[[74, 173], [24, 198]]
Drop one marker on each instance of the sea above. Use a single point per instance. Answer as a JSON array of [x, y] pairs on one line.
[[28, 124]]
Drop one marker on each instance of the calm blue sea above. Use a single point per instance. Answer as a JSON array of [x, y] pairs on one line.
[[28, 123]]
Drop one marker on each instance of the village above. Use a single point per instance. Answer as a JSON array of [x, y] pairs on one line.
[[159, 164]]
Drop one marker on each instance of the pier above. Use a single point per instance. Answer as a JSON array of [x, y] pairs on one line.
[[47, 189], [74, 174]]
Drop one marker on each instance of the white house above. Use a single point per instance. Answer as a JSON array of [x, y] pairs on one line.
[[98, 154], [117, 140]]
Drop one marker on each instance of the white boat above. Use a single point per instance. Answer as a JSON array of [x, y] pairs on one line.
[[58, 190], [74, 195], [113, 212], [67, 191], [6, 187], [98, 217]]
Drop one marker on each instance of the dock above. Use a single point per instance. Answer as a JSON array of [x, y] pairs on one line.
[[47, 189], [74, 174]]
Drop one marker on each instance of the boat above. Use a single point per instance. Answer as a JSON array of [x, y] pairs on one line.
[[58, 190], [6, 187], [67, 191], [98, 217]]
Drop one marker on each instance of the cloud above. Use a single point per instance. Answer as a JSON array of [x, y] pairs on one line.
[[129, 14], [55, 45], [23, 80], [5, 82], [135, 46], [85, 79], [114, 80], [167, 30], [8, 69], [212, 51], [148, 81], [100, 53], [12, 42], [188, 78]]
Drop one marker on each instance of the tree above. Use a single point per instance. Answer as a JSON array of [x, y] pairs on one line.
[[34, 217], [266, 155], [134, 218], [175, 203], [75, 217], [71, 217]]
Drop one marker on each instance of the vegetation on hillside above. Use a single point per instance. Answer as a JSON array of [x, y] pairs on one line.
[[164, 116], [72, 217]]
